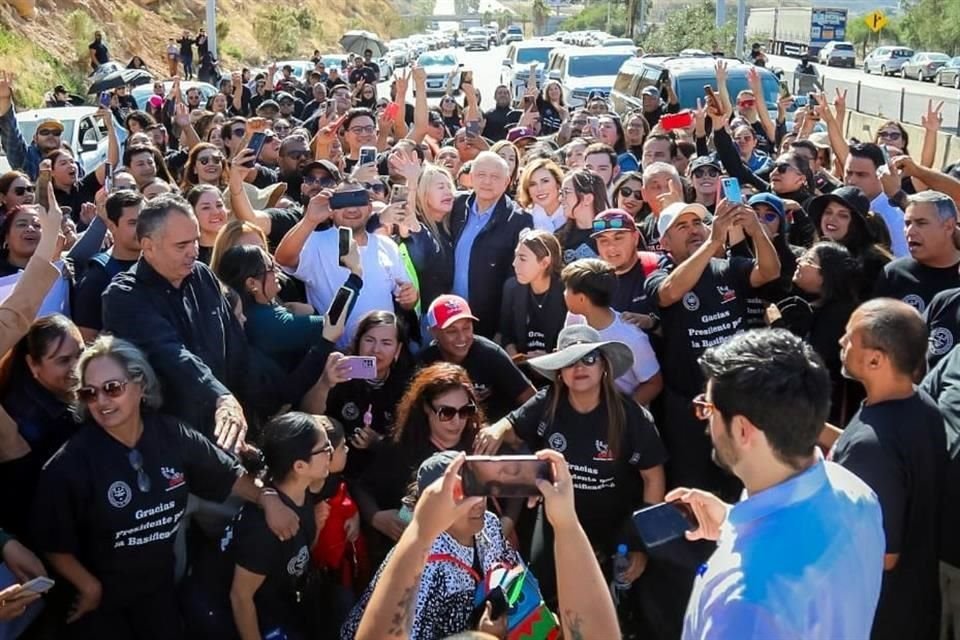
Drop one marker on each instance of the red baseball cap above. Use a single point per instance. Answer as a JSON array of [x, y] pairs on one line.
[[447, 309]]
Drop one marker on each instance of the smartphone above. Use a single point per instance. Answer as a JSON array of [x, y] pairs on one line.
[[362, 367], [391, 111], [368, 155], [712, 98], [811, 101], [347, 199], [505, 476], [40, 584], [105, 99], [256, 143], [593, 123], [344, 238], [399, 193], [681, 120], [331, 108], [473, 129], [886, 153], [466, 77], [108, 177], [339, 304], [731, 190], [664, 522]]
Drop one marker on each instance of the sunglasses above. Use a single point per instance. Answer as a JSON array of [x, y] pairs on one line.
[[136, 463], [297, 154], [324, 182], [783, 167], [368, 129], [20, 191], [446, 413], [709, 172], [47, 132], [376, 187], [327, 449], [609, 224], [205, 160], [703, 408], [588, 360], [627, 192], [110, 388], [747, 103]]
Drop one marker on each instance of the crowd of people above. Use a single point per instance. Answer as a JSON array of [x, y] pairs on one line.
[[294, 306]]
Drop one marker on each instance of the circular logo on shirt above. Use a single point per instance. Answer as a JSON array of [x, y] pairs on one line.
[[350, 412], [691, 302], [941, 341], [298, 562], [915, 301], [119, 494], [557, 442]]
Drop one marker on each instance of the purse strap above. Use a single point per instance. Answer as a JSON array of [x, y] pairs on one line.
[[446, 557]]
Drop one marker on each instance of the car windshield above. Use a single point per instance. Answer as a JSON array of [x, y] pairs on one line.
[[514, 30], [435, 60], [605, 65], [539, 54], [27, 129], [477, 31]]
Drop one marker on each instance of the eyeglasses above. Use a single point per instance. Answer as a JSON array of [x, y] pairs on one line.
[[703, 408], [328, 449], [364, 130], [446, 413], [136, 463], [627, 192], [588, 360], [19, 191], [205, 160], [297, 154], [747, 104], [608, 224], [709, 172], [891, 134], [324, 181], [110, 388], [376, 187], [47, 132], [783, 167]]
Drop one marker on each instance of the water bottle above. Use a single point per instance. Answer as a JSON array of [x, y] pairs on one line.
[[621, 564]]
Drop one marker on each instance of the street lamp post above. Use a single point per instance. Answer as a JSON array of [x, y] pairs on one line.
[[212, 27]]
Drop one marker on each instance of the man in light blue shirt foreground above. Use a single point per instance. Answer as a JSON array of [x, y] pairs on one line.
[[801, 555]]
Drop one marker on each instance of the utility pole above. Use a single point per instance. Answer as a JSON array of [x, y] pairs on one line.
[[212, 27], [721, 13], [741, 26]]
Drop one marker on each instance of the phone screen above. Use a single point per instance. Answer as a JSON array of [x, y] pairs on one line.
[[368, 155], [731, 190], [399, 193], [256, 143], [664, 522], [344, 237], [339, 304], [506, 476], [108, 177]]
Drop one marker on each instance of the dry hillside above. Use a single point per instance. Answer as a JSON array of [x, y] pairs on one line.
[[48, 48]]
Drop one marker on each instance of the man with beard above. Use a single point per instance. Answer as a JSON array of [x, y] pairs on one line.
[[501, 117], [896, 443], [294, 156], [805, 526], [703, 303]]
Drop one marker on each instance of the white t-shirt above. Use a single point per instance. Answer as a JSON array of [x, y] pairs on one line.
[[645, 364], [322, 274]]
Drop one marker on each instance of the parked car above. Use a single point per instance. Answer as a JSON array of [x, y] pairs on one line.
[[516, 66], [438, 67], [82, 130], [949, 74], [476, 38], [399, 55], [514, 34], [923, 65], [493, 36], [838, 54], [585, 71], [886, 60], [143, 92], [300, 69]]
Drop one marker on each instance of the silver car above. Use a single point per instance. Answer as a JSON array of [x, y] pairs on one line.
[[886, 60], [836, 53], [924, 65], [476, 38]]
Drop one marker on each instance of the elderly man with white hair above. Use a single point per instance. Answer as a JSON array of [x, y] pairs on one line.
[[486, 225], [659, 179]]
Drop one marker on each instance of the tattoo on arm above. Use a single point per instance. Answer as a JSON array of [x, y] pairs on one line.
[[402, 615], [572, 626]]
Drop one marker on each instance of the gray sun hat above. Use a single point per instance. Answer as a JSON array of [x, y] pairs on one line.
[[576, 341]]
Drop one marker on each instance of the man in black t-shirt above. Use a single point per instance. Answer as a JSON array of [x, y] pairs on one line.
[[942, 316], [99, 54], [617, 239], [501, 117], [370, 64], [703, 303], [930, 221], [361, 72], [896, 443], [497, 381]]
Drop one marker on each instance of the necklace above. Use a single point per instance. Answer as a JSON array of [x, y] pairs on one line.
[[539, 299]]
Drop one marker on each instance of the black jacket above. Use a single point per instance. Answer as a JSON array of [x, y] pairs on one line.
[[491, 258], [515, 316]]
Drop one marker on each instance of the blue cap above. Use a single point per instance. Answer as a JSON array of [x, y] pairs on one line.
[[771, 201]]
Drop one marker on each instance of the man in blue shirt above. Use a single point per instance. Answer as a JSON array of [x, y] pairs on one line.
[[801, 555]]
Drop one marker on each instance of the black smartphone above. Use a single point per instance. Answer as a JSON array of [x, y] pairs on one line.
[[473, 129], [256, 143], [347, 199], [664, 522], [344, 238], [108, 177], [504, 476], [368, 155], [712, 98], [339, 304]]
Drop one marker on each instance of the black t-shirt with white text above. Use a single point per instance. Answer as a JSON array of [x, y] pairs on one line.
[[942, 316], [606, 489], [708, 315], [90, 504], [915, 283], [577, 243], [898, 447]]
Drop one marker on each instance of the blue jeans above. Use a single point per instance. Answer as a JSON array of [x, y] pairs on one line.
[[14, 628], [187, 66]]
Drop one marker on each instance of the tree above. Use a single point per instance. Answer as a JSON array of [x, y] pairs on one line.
[[692, 27], [933, 25], [539, 12]]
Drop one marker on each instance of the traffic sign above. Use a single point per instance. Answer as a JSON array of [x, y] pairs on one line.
[[876, 20]]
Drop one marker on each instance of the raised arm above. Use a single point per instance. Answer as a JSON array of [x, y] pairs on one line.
[[931, 121], [318, 211], [753, 78], [421, 111], [834, 124]]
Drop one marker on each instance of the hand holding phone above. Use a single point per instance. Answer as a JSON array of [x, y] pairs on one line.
[[368, 155], [360, 367], [731, 190], [664, 522], [504, 476], [255, 145], [339, 304], [399, 193]]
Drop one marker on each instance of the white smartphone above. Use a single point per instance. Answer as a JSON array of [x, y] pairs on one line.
[[39, 585]]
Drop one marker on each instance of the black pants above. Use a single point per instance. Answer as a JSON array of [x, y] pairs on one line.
[[153, 617]]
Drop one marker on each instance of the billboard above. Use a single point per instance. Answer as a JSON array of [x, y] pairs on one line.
[[827, 25]]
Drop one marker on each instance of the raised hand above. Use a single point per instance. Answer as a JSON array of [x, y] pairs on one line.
[[932, 120]]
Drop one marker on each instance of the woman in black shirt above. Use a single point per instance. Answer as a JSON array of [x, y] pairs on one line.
[[111, 500], [533, 310], [552, 109], [212, 214], [584, 196]]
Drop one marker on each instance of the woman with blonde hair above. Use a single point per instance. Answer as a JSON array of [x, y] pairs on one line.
[[509, 152], [539, 191], [236, 232]]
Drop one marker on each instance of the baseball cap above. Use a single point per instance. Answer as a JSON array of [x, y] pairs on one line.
[[284, 96], [268, 104], [705, 161], [50, 123], [433, 468], [326, 165], [651, 91], [520, 133], [770, 200], [447, 309], [670, 215], [613, 220]]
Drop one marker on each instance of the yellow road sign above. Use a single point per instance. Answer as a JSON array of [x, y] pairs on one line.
[[876, 20]]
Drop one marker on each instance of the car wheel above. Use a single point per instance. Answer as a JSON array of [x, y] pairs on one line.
[[866, 68], [903, 73], [883, 70], [956, 81]]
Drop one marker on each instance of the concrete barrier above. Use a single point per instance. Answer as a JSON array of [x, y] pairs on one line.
[[864, 127]]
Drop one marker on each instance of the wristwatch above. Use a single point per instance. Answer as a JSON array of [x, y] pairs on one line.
[[899, 199]]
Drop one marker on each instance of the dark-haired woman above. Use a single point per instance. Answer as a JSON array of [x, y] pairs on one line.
[[110, 501], [16, 189], [829, 275], [365, 406], [20, 235], [438, 412], [608, 438], [272, 328], [583, 196]]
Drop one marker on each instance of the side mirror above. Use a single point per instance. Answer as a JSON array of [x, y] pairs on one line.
[[507, 62]]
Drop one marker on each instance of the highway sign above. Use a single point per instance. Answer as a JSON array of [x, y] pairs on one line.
[[876, 20]]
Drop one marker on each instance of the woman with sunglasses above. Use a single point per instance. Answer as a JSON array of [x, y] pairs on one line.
[[626, 193], [111, 499], [584, 196], [451, 114], [539, 191], [438, 412], [206, 164], [365, 406], [212, 214], [16, 189], [601, 432]]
